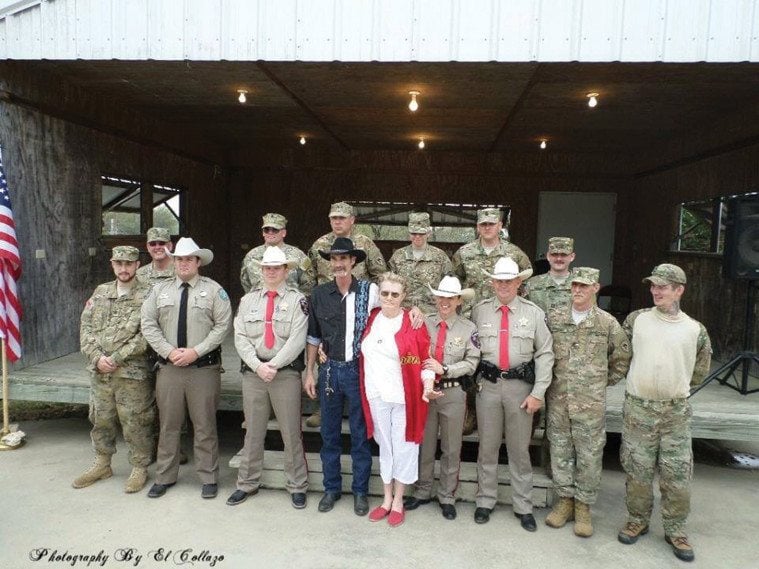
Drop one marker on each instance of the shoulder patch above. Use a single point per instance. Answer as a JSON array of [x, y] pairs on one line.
[[88, 304], [304, 305], [223, 295], [475, 339]]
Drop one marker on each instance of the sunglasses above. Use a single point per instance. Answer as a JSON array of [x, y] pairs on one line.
[[156, 243], [271, 230], [386, 293]]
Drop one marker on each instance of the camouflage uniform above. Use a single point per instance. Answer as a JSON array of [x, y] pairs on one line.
[[543, 290], [321, 272], [656, 417], [150, 275], [299, 278], [589, 356], [110, 326]]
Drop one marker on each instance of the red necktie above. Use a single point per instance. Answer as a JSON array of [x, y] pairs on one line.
[[440, 343], [268, 328], [503, 352]]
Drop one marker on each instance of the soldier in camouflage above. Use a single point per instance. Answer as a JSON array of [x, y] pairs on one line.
[[161, 266], [420, 263], [671, 352], [473, 262], [341, 219], [119, 390], [591, 352], [274, 231], [554, 287]]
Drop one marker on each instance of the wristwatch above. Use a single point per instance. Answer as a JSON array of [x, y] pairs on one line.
[[445, 369]]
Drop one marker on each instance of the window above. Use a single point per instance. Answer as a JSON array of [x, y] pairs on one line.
[[130, 207], [701, 225]]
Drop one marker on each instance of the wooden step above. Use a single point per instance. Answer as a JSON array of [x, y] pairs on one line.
[[273, 477]]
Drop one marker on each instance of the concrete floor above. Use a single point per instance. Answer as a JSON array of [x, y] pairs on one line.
[[40, 510]]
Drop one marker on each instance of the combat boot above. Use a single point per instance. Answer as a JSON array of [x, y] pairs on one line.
[[136, 480], [100, 470], [315, 420], [563, 512], [583, 523]]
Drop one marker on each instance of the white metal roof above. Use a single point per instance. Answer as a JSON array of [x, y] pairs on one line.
[[382, 30]]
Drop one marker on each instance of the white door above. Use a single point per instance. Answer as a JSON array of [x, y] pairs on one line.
[[589, 218]]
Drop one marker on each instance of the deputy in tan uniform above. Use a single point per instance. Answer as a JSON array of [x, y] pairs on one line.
[[274, 231], [120, 393], [553, 288], [513, 334], [455, 353], [270, 335], [185, 321], [420, 263], [161, 266]]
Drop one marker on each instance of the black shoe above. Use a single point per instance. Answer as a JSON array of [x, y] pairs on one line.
[[158, 490], [412, 503], [209, 491], [328, 501], [449, 511], [360, 504], [298, 500], [239, 496], [482, 515], [527, 521]]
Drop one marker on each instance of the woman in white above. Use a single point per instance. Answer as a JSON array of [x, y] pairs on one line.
[[395, 395]]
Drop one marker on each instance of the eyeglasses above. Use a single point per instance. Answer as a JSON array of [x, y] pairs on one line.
[[271, 230], [156, 243], [386, 293]]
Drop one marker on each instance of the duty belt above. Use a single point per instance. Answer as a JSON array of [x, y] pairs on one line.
[[448, 384], [211, 358], [295, 365]]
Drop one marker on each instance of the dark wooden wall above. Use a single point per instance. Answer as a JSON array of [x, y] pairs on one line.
[[53, 167]]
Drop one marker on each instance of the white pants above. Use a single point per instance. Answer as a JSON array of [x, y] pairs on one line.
[[399, 459]]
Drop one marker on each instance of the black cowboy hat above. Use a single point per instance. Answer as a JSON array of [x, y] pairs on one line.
[[344, 246]]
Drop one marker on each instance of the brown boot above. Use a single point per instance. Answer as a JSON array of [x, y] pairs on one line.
[[583, 523], [314, 420], [136, 480], [680, 547], [563, 512], [631, 532], [100, 470]]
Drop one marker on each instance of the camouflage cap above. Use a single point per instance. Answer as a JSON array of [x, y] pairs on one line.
[[564, 245], [274, 220], [159, 234], [665, 274], [419, 223], [586, 275], [489, 215], [125, 253], [341, 209]]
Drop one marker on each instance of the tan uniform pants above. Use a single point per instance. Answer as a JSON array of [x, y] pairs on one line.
[[283, 394], [498, 411], [198, 389]]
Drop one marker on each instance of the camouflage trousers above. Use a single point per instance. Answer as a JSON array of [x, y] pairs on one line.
[[577, 438], [130, 403], [657, 433]]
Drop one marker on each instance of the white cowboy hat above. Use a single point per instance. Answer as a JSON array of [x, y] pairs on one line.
[[506, 269], [186, 247], [451, 286], [275, 257]]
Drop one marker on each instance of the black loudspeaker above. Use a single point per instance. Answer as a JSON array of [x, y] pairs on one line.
[[741, 256]]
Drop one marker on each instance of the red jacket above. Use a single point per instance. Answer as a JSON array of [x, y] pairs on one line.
[[413, 349]]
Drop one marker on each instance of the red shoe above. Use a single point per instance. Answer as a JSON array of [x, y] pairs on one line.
[[396, 518], [378, 514]]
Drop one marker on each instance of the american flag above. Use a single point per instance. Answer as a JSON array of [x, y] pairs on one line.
[[10, 272]]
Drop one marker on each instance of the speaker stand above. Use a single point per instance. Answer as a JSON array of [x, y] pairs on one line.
[[742, 359]]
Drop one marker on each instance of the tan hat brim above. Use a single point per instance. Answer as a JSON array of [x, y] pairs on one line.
[[657, 281]]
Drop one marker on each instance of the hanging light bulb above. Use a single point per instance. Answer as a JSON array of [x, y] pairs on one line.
[[413, 105], [421, 144], [302, 140], [543, 144], [241, 97], [592, 100]]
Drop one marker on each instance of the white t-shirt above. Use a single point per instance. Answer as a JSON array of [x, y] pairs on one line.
[[382, 364]]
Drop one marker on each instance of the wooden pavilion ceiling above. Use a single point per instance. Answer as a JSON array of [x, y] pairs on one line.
[[466, 107]]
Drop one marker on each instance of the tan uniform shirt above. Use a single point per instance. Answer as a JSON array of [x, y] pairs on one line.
[[529, 337], [461, 352], [298, 278], [428, 269], [321, 272], [289, 321], [209, 314]]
